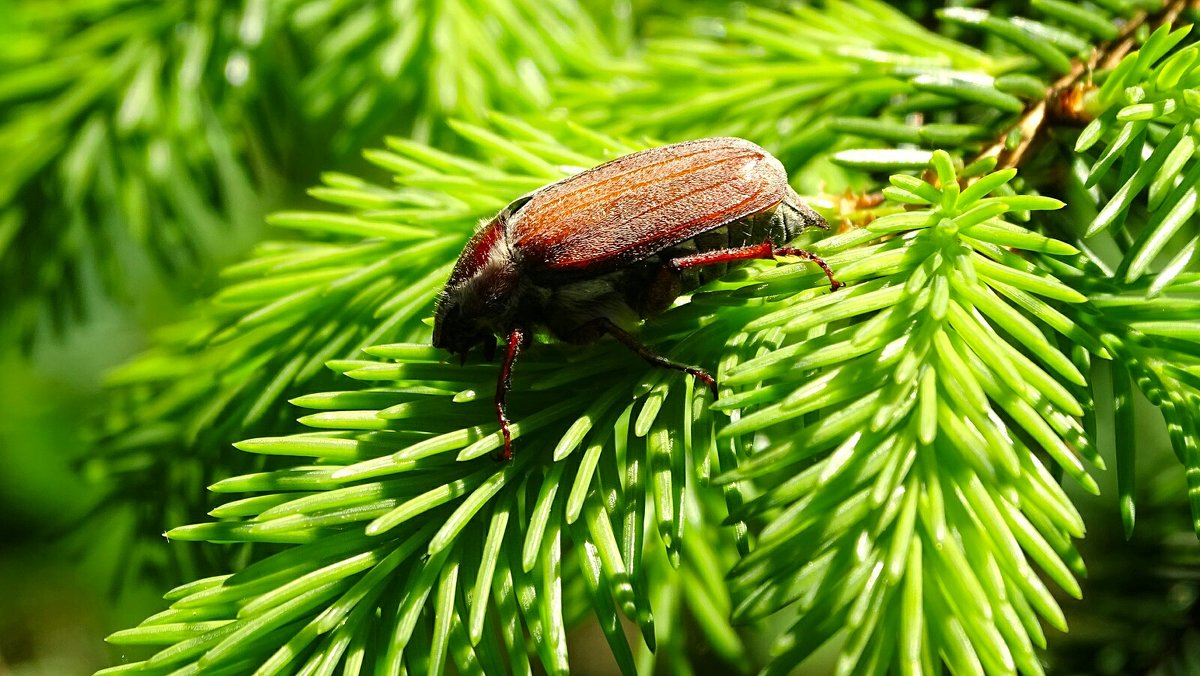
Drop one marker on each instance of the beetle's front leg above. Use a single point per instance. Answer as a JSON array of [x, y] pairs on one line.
[[761, 251], [516, 340], [605, 325]]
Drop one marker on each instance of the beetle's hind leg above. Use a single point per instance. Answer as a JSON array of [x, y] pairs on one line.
[[604, 325], [761, 251]]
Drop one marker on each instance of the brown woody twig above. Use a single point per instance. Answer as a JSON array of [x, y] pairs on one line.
[[1063, 99]]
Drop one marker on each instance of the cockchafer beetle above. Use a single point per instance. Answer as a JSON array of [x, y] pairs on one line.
[[596, 251]]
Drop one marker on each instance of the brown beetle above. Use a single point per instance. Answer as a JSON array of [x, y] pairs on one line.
[[595, 251]]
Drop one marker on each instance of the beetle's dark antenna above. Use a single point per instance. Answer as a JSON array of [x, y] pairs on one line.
[[760, 251], [626, 339], [516, 338]]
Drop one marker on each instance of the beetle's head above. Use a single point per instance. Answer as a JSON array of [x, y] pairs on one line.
[[480, 299]]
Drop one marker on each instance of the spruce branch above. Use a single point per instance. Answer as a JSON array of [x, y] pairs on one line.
[[1064, 98], [902, 439], [395, 504], [911, 498], [113, 174], [1136, 182], [1150, 335], [147, 140], [1132, 169], [408, 67], [362, 273], [783, 78]]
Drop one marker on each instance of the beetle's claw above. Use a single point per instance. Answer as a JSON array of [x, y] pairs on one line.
[[505, 454], [704, 377]]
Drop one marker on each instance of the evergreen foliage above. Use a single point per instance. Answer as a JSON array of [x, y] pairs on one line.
[[145, 135], [110, 165], [354, 277], [883, 466]]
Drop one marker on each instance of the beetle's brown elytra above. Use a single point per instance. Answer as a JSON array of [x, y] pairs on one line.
[[596, 251]]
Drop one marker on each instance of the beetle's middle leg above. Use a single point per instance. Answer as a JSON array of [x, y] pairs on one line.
[[516, 340], [761, 251], [605, 325]]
